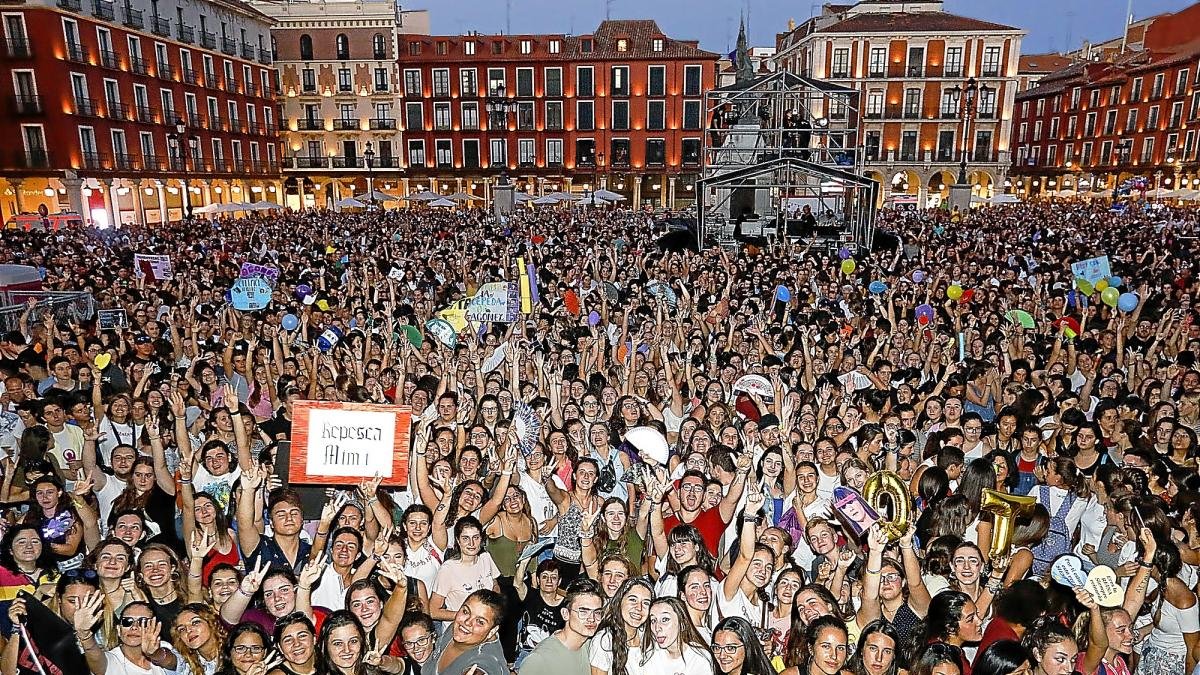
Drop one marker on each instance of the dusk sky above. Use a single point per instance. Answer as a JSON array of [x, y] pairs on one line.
[[1052, 25]]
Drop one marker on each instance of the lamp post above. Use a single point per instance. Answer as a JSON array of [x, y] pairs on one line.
[[968, 98], [176, 141], [499, 107], [369, 155]]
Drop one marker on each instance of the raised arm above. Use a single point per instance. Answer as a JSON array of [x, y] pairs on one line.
[[248, 532], [746, 541]]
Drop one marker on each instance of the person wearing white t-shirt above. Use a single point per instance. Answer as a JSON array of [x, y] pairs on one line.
[[422, 559], [107, 486], [672, 644], [140, 651]]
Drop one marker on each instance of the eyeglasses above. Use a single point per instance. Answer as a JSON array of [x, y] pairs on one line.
[[131, 621], [248, 650], [584, 613], [727, 649], [80, 574], [419, 642], [890, 578]]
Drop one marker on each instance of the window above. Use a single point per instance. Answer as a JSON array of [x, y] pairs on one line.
[[618, 152], [656, 44], [656, 151], [526, 151], [1195, 111], [471, 153], [1131, 120], [497, 47], [949, 107], [345, 81], [690, 152], [619, 85], [840, 68], [874, 104], [441, 116], [496, 81], [1089, 124], [412, 82], [1041, 107], [381, 79], [306, 50], [877, 66], [554, 115], [991, 62], [1157, 91], [526, 46], [553, 78], [413, 117], [525, 121], [1094, 99], [1075, 97], [1110, 123], [691, 115], [554, 152], [470, 116], [946, 143], [378, 47], [622, 45], [414, 49], [871, 146], [469, 47], [1176, 115], [416, 153], [1135, 91], [691, 80], [467, 83], [554, 46], [1181, 82], [657, 81], [916, 62], [444, 148], [498, 152], [585, 116], [1152, 119], [954, 57], [912, 103], [585, 45], [525, 82], [1054, 128], [1147, 149], [308, 80], [1085, 157], [584, 86], [656, 115], [620, 115], [1037, 130], [908, 146], [342, 44], [1071, 126]]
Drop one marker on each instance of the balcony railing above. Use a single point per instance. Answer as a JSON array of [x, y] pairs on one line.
[[145, 114], [264, 56], [77, 53], [165, 71], [71, 5], [37, 159], [348, 163], [247, 51], [110, 59], [912, 113], [190, 76], [118, 111], [387, 162], [152, 163], [122, 161], [953, 72], [186, 33], [310, 125], [104, 10], [161, 27], [212, 81], [250, 89], [346, 125], [133, 18], [311, 162], [194, 120], [19, 48], [138, 66], [383, 124], [229, 46], [27, 105], [208, 40], [216, 122], [95, 160], [87, 107], [915, 71]]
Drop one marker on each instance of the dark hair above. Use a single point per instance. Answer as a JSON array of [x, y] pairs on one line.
[[335, 620], [884, 627], [6, 545], [226, 662], [614, 624], [1001, 658], [1045, 631], [459, 527], [416, 619], [283, 622], [933, 486], [492, 599], [935, 654], [978, 475], [756, 661], [1021, 603], [799, 653], [945, 611]]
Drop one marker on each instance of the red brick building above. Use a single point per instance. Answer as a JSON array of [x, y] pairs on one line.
[[619, 108], [95, 89], [1097, 123]]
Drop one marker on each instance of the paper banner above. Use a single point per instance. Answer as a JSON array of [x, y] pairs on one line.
[[496, 301], [455, 315], [531, 274], [250, 270], [1102, 584], [152, 267], [1092, 269], [250, 294], [339, 443], [1068, 571]]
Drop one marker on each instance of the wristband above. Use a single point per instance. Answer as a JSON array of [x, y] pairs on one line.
[[243, 592], [185, 481], [875, 571], [1143, 563]]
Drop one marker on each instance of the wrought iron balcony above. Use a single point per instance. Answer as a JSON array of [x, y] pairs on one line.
[[186, 33], [19, 48], [104, 10], [208, 40], [161, 27], [27, 105], [133, 18]]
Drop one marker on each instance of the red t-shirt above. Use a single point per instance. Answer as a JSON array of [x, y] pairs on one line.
[[710, 524], [997, 629]]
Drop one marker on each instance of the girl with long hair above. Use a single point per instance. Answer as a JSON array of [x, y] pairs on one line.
[[938, 658], [736, 649], [471, 569], [879, 650], [696, 590], [671, 643], [113, 561], [296, 640], [685, 546], [787, 586], [161, 580], [742, 592], [1052, 647], [822, 650], [198, 637], [954, 620], [1003, 657], [611, 532], [617, 645], [244, 651], [55, 516], [343, 646], [776, 475]]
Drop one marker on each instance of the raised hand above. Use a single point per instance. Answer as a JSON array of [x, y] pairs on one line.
[[254, 579], [202, 542], [231, 397], [311, 574], [178, 407], [876, 539], [83, 484], [88, 614], [151, 640]]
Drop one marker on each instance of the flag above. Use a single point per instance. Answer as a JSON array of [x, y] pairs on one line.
[[53, 640], [523, 275]]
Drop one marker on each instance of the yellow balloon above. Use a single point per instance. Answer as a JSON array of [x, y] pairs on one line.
[[1004, 509], [889, 484], [954, 292], [848, 266], [1100, 285]]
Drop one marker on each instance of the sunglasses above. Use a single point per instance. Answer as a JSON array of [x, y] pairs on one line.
[[131, 621]]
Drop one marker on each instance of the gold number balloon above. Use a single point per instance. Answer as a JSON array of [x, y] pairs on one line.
[[888, 484], [1004, 509]]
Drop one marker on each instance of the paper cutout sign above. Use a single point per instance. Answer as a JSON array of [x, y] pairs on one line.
[[854, 510], [1068, 571], [1102, 584], [250, 294], [1092, 269], [527, 425], [251, 270], [152, 267], [496, 301], [102, 360], [442, 331], [339, 443]]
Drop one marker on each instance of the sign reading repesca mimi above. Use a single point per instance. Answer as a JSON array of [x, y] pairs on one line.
[[334, 442]]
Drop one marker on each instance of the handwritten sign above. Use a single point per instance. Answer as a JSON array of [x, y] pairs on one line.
[[152, 267], [107, 319], [250, 294], [496, 301], [251, 271], [1102, 584], [337, 443], [1068, 571], [1092, 269]]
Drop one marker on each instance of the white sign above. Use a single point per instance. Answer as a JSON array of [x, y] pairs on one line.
[[350, 443], [152, 267], [496, 301]]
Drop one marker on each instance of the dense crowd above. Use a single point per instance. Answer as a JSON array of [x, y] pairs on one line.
[[149, 526]]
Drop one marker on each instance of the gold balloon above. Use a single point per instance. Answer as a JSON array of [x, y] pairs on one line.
[[889, 484], [1004, 509]]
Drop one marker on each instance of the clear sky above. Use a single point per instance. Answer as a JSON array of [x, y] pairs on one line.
[[1052, 25]]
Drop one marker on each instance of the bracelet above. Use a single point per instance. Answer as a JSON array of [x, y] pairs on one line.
[[1143, 563], [83, 637], [322, 534], [586, 535], [305, 588], [154, 438], [908, 548], [185, 481], [236, 414], [875, 571], [243, 592]]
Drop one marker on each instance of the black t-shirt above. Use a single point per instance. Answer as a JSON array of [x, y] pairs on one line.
[[166, 615], [541, 619]]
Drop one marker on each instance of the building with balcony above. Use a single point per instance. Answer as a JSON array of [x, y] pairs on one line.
[[1033, 67], [1096, 123], [339, 86], [96, 91], [620, 108], [911, 62]]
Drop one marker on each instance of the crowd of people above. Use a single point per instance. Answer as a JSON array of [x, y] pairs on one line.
[[149, 526]]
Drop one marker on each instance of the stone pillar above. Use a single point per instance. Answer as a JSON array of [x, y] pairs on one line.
[[279, 196], [487, 192], [139, 205], [637, 191], [110, 202], [671, 193], [162, 203], [74, 187], [18, 199]]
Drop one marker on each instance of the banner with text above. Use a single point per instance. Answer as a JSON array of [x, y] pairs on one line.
[[152, 267], [496, 301], [336, 443], [251, 270]]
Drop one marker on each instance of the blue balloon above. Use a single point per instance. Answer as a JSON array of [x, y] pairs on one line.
[[843, 253], [289, 322], [1115, 282], [782, 293], [877, 287], [1127, 302]]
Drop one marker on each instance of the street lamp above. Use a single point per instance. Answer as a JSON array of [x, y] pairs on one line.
[[176, 141], [369, 155], [968, 99], [499, 107]]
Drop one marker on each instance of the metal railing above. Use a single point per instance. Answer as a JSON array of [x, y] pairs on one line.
[[383, 124], [348, 162], [105, 10], [138, 66], [247, 51], [77, 53], [87, 107], [161, 27], [208, 40], [310, 125], [264, 56], [71, 5], [346, 125], [64, 306], [133, 18], [186, 33], [34, 160], [229, 46], [110, 59], [27, 105], [19, 48]]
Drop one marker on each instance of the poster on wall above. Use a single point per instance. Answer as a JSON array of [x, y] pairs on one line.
[[340, 443]]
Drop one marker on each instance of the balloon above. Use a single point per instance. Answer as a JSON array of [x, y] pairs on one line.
[[328, 339], [1115, 282], [593, 318], [925, 311], [303, 290], [889, 485], [918, 276], [954, 292], [848, 266], [1110, 296], [1127, 302], [289, 322], [1004, 509], [967, 296], [877, 287], [844, 253], [1101, 285], [1084, 286], [782, 293], [922, 320]]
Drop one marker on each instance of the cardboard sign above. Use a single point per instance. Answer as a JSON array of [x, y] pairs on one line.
[[854, 510], [152, 267], [496, 301], [108, 319], [337, 443], [251, 271], [1102, 584], [250, 294], [1092, 269], [1068, 571]]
